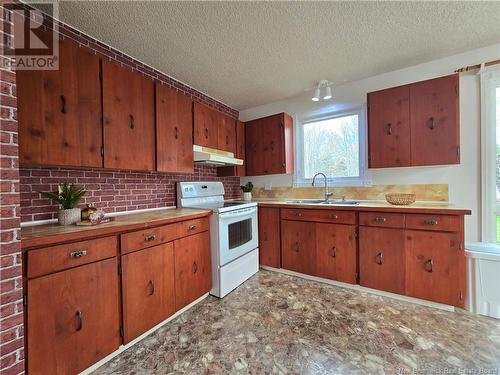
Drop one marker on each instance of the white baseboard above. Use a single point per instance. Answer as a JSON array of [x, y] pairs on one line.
[[122, 348], [363, 289]]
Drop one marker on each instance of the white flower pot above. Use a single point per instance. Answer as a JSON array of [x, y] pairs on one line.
[[69, 216], [247, 196]]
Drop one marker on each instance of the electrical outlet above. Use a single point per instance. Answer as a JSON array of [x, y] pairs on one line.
[[268, 186]]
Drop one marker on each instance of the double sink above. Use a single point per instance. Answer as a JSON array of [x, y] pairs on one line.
[[323, 201]]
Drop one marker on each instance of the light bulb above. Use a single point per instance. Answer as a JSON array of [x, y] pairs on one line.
[[315, 98], [328, 93]]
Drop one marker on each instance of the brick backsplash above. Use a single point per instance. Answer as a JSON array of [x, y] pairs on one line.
[[112, 191]]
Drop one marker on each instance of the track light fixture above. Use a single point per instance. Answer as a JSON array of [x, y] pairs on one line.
[[322, 85]]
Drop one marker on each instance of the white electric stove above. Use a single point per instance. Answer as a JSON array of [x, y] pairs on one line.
[[233, 233]]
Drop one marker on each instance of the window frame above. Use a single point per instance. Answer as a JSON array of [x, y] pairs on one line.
[[490, 207], [298, 178]]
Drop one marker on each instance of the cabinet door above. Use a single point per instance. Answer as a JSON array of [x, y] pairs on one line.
[[227, 133], [382, 259], [273, 144], [73, 318], [389, 128], [129, 122], [435, 267], [193, 276], [205, 126], [254, 148], [269, 237], [435, 128], [298, 246], [60, 111], [336, 252], [147, 289], [174, 131], [240, 148]]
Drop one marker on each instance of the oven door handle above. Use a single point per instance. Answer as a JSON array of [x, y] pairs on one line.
[[244, 212]]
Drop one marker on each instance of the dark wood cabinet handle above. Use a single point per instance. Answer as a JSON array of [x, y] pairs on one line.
[[389, 128], [380, 219], [428, 265], [206, 133], [78, 254], [298, 214], [379, 258], [333, 216], [195, 267], [333, 252], [431, 222], [79, 316], [192, 227], [432, 123], [176, 133], [151, 287], [149, 238], [227, 139], [63, 104], [132, 121], [297, 246]]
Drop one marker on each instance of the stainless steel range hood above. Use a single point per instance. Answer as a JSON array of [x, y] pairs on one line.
[[211, 156]]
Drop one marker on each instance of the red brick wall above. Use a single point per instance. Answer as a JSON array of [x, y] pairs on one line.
[[11, 306], [113, 191]]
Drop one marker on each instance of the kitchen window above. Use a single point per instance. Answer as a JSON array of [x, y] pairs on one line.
[[334, 145], [490, 153]]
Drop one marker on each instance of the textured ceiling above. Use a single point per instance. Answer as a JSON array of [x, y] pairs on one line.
[[251, 53]]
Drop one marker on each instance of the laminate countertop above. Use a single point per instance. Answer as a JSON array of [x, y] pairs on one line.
[[42, 235], [443, 208]]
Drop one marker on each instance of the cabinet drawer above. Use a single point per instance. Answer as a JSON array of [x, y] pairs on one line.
[[325, 216], [57, 258], [142, 239], [445, 223], [381, 219], [189, 227]]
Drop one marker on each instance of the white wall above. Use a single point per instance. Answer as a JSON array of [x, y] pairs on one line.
[[463, 179]]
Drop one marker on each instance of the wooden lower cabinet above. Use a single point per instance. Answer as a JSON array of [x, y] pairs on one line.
[[269, 237], [435, 267], [335, 255], [193, 276], [298, 246], [382, 259], [148, 292], [73, 318]]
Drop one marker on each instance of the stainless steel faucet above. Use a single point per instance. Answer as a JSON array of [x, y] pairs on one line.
[[327, 194]]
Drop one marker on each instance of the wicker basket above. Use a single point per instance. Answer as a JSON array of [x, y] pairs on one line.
[[400, 199]]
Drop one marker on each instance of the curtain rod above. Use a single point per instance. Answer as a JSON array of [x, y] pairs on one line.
[[476, 67]]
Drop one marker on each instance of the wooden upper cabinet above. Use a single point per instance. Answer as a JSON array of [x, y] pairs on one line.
[[73, 318], [129, 120], [174, 131], [59, 111], [269, 237], [435, 125], [269, 145], [206, 132], [239, 170], [414, 125], [147, 289], [389, 128], [227, 133]]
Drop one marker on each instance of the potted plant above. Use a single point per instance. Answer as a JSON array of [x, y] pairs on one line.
[[247, 191], [68, 195]]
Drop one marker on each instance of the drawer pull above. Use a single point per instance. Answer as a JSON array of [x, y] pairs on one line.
[[195, 267], [149, 238], [379, 258], [428, 265], [333, 252], [151, 287], [380, 219], [192, 227], [298, 214], [79, 316], [430, 222], [78, 254], [333, 216]]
